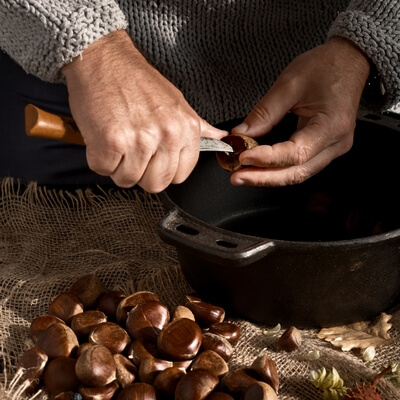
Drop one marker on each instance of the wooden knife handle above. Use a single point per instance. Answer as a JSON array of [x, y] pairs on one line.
[[40, 123]]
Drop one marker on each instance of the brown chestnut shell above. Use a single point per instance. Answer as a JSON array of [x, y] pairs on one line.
[[230, 161]]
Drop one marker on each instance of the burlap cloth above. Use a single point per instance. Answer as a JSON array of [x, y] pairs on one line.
[[51, 237]]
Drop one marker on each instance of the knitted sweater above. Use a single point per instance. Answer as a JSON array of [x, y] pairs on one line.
[[222, 54]]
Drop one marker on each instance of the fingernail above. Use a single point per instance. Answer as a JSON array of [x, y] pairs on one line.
[[241, 128], [247, 161]]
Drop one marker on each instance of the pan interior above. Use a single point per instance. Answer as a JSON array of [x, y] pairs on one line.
[[353, 197]]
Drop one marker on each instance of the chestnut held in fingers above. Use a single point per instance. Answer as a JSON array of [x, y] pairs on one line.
[[239, 143]]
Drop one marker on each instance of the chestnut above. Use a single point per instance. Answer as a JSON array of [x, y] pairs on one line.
[[65, 306], [146, 320], [290, 340], [131, 301], [126, 371], [105, 392], [196, 384], [211, 361], [59, 375], [137, 391], [236, 381], [180, 339], [266, 368], [140, 349], [110, 335], [230, 161], [82, 347], [30, 367], [70, 395], [40, 324], [167, 380], [182, 312], [228, 330], [58, 340], [205, 313], [219, 396], [84, 323], [108, 303], [150, 367], [218, 343], [259, 391], [96, 366], [88, 288]]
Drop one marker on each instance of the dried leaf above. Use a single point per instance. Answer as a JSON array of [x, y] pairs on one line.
[[360, 335]]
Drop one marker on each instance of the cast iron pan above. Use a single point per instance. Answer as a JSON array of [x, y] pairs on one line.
[[322, 253]]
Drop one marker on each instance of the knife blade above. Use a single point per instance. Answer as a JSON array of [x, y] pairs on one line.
[[40, 123]]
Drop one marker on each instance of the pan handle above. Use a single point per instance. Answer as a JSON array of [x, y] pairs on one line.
[[211, 243]]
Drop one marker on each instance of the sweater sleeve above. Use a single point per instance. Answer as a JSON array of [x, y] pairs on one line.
[[374, 26], [44, 35]]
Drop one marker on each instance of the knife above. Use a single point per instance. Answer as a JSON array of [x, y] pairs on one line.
[[40, 123]]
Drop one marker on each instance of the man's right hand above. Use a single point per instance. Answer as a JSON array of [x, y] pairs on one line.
[[137, 126]]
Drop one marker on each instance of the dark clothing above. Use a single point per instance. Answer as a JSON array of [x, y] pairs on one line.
[[34, 159]]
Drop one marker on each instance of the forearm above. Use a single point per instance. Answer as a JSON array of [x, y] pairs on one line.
[[374, 27], [44, 36]]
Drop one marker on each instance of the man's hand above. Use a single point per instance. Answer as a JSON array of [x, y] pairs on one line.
[[137, 126], [323, 87]]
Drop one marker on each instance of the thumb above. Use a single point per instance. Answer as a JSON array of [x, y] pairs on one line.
[[267, 113], [210, 131]]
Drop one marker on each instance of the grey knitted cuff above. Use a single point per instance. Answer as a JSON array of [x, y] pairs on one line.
[[380, 44], [53, 33]]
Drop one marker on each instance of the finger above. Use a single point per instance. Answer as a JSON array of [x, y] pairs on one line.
[[136, 156], [159, 172], [210, 131], [271, 109], [282, 176], [130, 170], [303, 145]]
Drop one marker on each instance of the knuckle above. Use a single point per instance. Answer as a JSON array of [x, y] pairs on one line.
[[299, 175], [302, 155]]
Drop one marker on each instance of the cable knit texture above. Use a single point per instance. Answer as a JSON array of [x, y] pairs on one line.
[[374, 26], [222, 54]]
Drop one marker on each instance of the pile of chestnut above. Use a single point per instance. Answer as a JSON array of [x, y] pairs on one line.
[[98, 344]]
